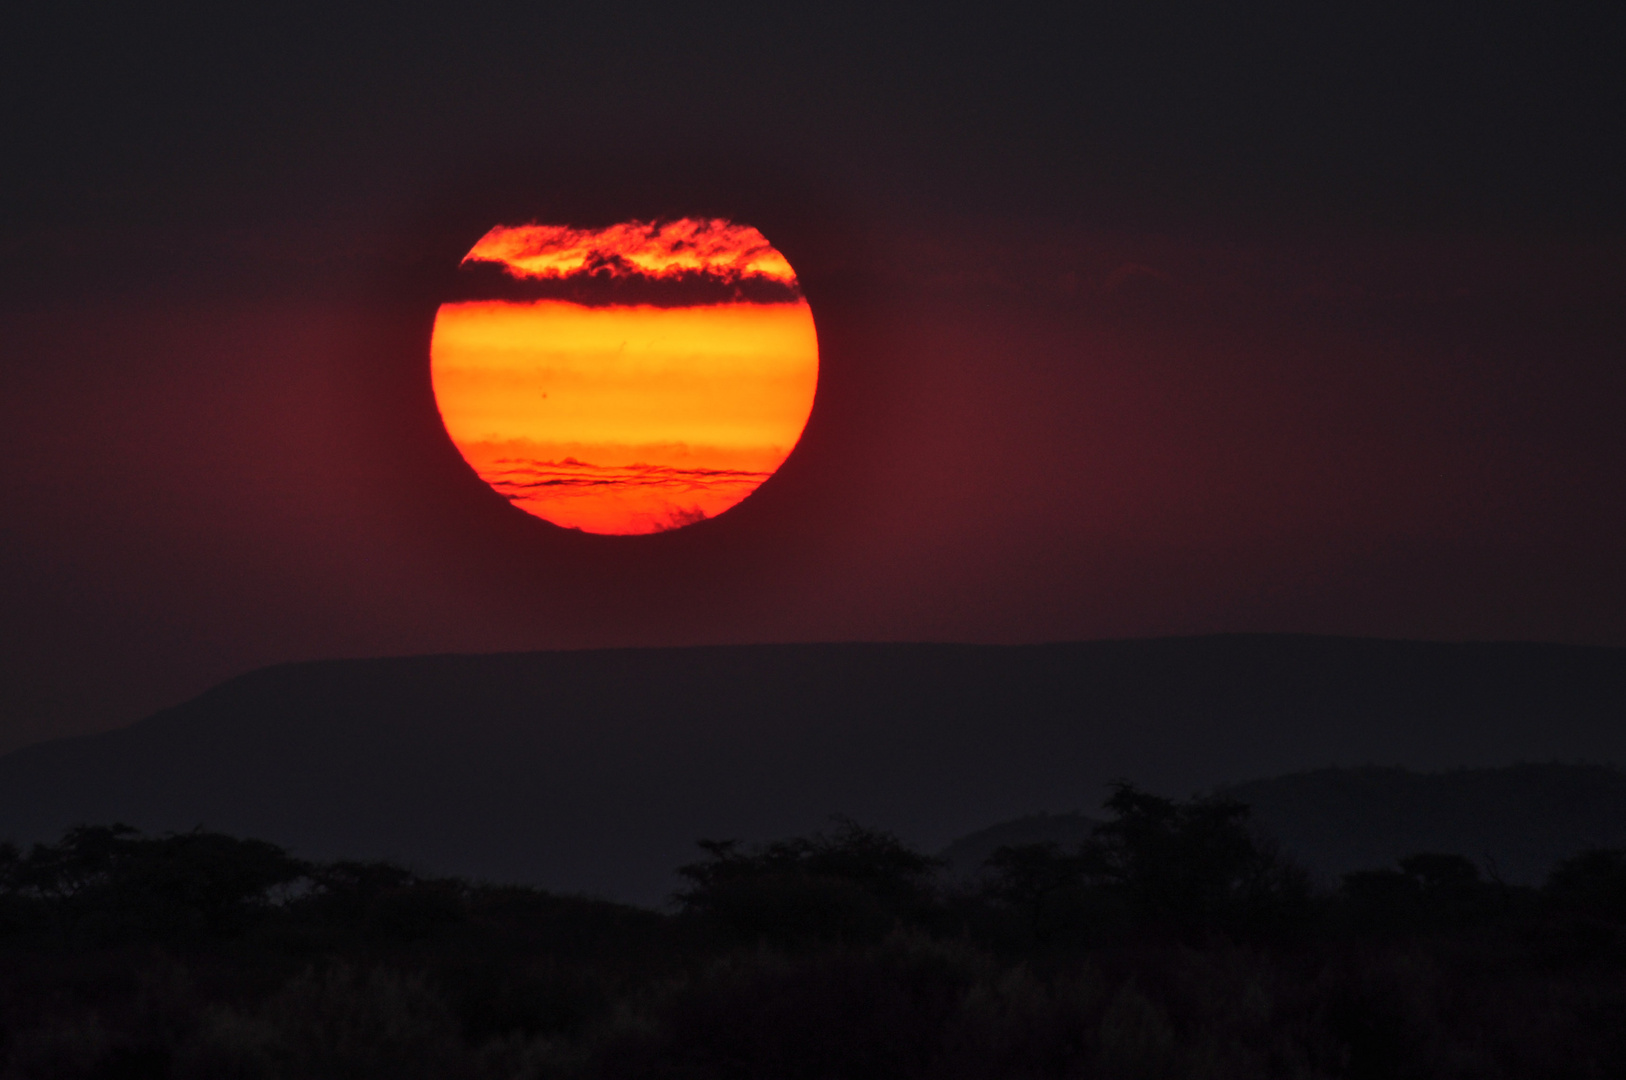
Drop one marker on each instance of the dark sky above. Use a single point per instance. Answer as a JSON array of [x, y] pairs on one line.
[[1135, 319]]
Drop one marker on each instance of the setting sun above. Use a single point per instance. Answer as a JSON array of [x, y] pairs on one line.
[[618, 417]]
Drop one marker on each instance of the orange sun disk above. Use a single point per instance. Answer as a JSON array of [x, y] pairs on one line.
[[619, 418]]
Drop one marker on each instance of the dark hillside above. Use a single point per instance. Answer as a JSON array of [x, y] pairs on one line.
[[595, 771]]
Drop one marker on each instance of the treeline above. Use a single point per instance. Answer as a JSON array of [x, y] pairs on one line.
[[1173, 942]]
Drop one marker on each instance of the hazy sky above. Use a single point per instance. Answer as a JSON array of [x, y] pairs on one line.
[[1141, 319]]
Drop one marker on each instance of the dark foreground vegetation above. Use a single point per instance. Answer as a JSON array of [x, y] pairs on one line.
[[1171, 943]]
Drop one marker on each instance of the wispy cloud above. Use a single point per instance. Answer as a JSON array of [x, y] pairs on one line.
[[637, 498], [519, 477]]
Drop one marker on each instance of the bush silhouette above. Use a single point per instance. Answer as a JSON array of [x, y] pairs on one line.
[[1592, 883], [851, 884], [1028, 874], [1425, 891], [111, 883], [1189, 866]]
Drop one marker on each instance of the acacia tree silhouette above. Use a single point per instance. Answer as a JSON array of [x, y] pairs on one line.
[[109, 882], [1592, 883], [1190, 866], [852, 883]]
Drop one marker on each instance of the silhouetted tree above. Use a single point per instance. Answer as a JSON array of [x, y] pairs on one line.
[[1189, 865], [1195, 862], [1425, 891], [1028, 873], [110, 882], [1592, 883], [852, 883]]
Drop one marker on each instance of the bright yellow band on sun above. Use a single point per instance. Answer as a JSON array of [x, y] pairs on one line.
[[624, 419]]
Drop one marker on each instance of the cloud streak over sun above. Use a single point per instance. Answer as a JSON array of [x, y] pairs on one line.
[[622, 418], [713, 247]]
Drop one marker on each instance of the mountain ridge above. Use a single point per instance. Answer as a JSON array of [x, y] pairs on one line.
[[596, 770]]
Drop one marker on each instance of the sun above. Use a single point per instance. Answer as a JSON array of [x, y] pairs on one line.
[[629, 379]]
